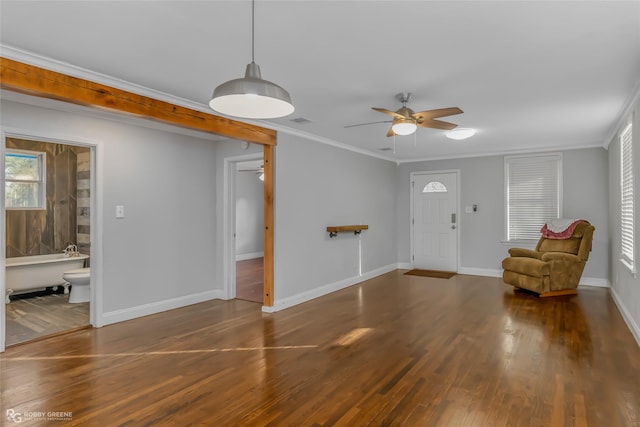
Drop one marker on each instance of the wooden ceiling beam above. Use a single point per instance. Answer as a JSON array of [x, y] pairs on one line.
[[29, 79]]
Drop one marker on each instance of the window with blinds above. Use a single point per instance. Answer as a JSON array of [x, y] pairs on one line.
[[533, 194], [626, 197]]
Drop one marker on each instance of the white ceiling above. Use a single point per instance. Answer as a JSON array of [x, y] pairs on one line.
[[529, 75]]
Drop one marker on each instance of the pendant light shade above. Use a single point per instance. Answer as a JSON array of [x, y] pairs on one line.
[[251, 97]]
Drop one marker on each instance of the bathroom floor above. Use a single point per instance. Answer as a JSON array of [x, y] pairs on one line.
[[39, 316]]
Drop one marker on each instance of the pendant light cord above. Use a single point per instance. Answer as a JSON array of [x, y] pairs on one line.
[[253, 37]]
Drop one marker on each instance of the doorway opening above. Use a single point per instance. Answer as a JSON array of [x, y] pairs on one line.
[[48, 203], [249, 230]]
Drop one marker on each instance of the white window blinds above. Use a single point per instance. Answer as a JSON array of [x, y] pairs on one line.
[[533, 193], [626, 198]]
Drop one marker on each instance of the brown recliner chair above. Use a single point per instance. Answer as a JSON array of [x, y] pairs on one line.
[[554, 268]]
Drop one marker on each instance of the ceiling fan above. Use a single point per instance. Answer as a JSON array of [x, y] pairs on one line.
[[406, 121], [258, 171]]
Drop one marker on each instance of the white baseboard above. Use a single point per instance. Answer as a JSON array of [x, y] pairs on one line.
[[157, 307], [595, 282], [487, 272], [326, 289], [250, 255], [633, 326], [585, 281]]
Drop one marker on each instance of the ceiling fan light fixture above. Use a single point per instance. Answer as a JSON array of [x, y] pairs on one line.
[[404, 127], [460, 133], [251, 97]]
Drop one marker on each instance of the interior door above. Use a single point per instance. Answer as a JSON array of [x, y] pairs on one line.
[[435, 221]]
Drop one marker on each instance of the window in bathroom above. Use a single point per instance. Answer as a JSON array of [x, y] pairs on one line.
[[24, 179]]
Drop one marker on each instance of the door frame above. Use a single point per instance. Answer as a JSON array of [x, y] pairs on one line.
[[95, 217], [412, 176], [229, 221]]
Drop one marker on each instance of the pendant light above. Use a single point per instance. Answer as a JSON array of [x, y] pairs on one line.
[[251, 97]]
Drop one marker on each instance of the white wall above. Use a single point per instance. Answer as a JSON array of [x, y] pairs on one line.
[[249, 215], [163, 253], [625, 287], [585, 195], [482, 183], [316, 186]]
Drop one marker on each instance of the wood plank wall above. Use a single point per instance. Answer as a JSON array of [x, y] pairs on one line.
[[40, 232]]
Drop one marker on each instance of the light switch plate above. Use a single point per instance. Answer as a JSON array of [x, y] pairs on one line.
[[120, 211]]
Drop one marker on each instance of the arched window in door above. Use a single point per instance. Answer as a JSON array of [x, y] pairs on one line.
[[435, 187]]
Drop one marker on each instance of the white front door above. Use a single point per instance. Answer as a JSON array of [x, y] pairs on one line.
[[435, 221]]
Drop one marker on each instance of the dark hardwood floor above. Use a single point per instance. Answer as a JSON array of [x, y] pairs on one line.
[[249, 279], [395, 350]]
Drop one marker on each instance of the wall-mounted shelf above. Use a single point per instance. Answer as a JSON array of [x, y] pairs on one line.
[[335, 229]]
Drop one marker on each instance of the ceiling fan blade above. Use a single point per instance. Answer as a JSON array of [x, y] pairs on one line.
[[370, 123], [254, 170], [436, 124], [389, 112], [433, 114], [390, 132]]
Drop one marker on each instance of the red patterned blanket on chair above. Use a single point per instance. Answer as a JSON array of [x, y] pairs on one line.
[[561, 228]]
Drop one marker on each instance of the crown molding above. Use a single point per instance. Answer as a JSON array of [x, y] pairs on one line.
[[624, 114], [503, 153], [45, 62], [326, 141]]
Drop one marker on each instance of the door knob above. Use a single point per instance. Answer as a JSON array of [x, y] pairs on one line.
[[453, 227]]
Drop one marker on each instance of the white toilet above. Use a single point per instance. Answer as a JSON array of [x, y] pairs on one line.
[[79, 280]]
